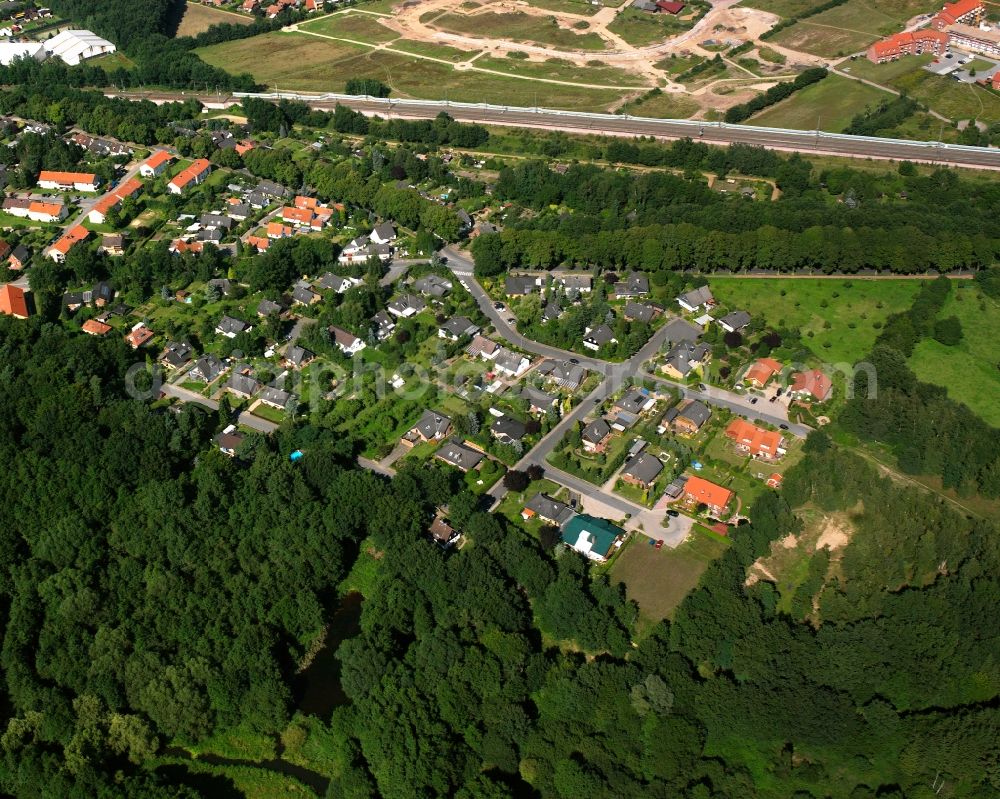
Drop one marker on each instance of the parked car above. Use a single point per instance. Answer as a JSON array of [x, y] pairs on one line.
[[753, 400], [659, 544], [498, 305], [673, 514], [783, 426]]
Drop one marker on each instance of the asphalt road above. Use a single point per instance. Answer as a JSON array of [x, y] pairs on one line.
[[245, 419], [623, 125]]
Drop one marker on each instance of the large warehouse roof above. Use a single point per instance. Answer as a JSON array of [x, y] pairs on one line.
[[11, 50], [76, 46]]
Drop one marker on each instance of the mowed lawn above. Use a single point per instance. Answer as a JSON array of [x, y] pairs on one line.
[[309, 63], [852, 306], [657, 580], [969, 370], [833, 103], [198, 18]]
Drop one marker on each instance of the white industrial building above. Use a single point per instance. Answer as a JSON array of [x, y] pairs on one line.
[[76, 46], [11, 50]]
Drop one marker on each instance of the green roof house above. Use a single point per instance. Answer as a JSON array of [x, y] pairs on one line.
[[591, 536]]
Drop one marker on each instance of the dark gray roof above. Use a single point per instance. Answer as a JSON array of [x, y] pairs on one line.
[[460, 326], [633, 401], [566, 374], [680, 330], [331, 281], [383, 324], [207, 368], [103, 292], [243, 384], [697, 297], [576, 281], [600, 335], [459, 455], [644, 467], [537, 397], [216, 220], [222, 284], [596, 431], [695, 411], [508, 360], [433, 285], [508, 427], [229, 324], [297, 355], [550, 509], [177, 353], [433, 424], [633, 285], [640, 311], [275, 396], [405, 302], [682, 356], [519, 284], [552, 310], [304, 295], [737, 320], [385, 230], [268, 307]]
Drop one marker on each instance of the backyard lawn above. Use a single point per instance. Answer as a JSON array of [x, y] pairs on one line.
[[969, 369], [657, 580], [852, 306]]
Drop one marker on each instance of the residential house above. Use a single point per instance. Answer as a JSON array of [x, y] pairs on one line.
[[642, 471], [431, 426], [519, 285], [432, 286], [595, 435], [811, 384], [459, 455], [206, 369], [93, 327], [68, 181], [332, 282], [734, 321], [507, 429], [230, 327], [548, 510], [275, 397], [302, 295], [678, 330], [138, 335], [442, 532], [216, 221], [699, 490], [242, 383], [102, 294], [237, 210], [346, 342], [634, 401], [112, 244], [700, 297], [685, 357], [156, 164], [563, 373], [457, 327], [382, 325], [276, 230], [510, 363], [73, 300], [592, 537], [266, 308], [634, 285], [552, 311], [113, 199], [176, 354], [14, 301], [539, 401], [597, 337], [72, 237], [384, 233], [47, 211], [755, 441], [296, 357], [641, 312], [211, 236], [760, 373], [576, 283], [482, 347], [193, 175], [406, 306], [19, 258], [361, 249], [691, 415], [229, 440]]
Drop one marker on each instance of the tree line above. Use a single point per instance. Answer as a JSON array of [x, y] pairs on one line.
[[775, 94]]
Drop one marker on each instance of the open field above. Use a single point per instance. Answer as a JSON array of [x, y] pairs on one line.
[[832, 102], [657, 580], [665, 105], [441, 51], [886, 73], [969, 369], [516, 27], [852, 306], [568, 6], [557, 69], [829, 42], [360, 27], [309, 63], [198, 18], [640, 28], [783, 8]]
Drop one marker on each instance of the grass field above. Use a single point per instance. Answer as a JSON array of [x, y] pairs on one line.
[[886, 73], [783, 8], [969, 369], [640, 28], [198, 18], [308, 63], [441, 51], [559, 69], [799, 304], [657, 580], [665, 105], [567, 6], [829, 42], [833, 102], [516, 27], [360, 27]]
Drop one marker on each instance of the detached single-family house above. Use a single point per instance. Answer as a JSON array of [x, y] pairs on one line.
[[431, 426], [230, 327], [275, 397], [112, 244], [592, 537], [691, 415], [176, 354], [812, 384], [406, 306], [597, 337], [303, 295], [642, 470], [138, 335], [14, 301], [697, 489], [634, 285], [242, 383], [507, 429], [760, 373], [696, 298], [432, 286], [457, 327], [19, 258], [482, 347], [635, 401], [229, 440], [678, 330], [755, 441], [734, 321], [595, 435], [346, 342], [332, 282], [641, 312], [459, 455], [382, 325], [563, 373], [519, 285], [207, 369], [538, 400], [156, 164], [267, 307], [576, 283], [510, 363], [296, 357], [685, 357], [383, 233], [548, 510], [92, 327]]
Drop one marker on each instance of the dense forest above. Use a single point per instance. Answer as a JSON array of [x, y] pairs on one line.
[[663, 221], [156, 592]]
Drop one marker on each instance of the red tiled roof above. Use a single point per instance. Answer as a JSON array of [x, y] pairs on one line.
[[158, 158], [762, 371], [757, 440], [185, 176], [13, 301], [813, 382], [66, 177], [95, 328], [670, 6], [71, 238], [711, 494]]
